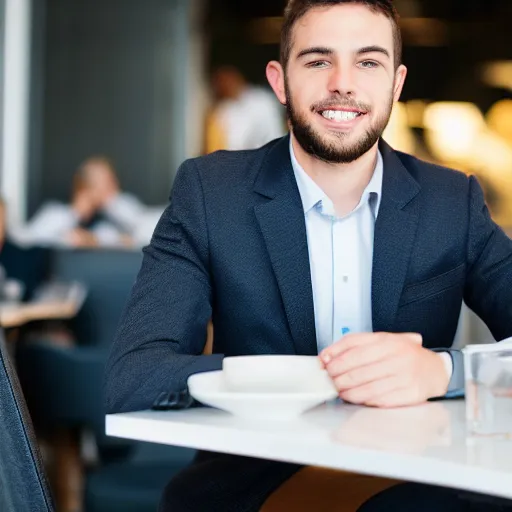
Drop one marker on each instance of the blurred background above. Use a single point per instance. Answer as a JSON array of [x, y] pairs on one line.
[[131, 80], [100, 102]]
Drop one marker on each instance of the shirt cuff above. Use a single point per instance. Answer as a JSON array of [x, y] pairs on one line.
[[456, 384], [448, 363]]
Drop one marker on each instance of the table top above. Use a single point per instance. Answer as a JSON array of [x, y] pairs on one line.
[[426, 443], [58, 301]]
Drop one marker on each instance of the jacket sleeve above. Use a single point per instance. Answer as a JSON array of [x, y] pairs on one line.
[[162, 332], [488, 290]]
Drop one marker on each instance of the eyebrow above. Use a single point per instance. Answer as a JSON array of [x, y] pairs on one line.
[[373, 49], [323, 50]]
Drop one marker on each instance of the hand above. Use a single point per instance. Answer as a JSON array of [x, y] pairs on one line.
[[84, 204], [126, 241], [103, 188], [102, 196], [82, 238], [385, 370]]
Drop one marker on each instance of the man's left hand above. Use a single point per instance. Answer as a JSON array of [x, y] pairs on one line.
[[385, 369]]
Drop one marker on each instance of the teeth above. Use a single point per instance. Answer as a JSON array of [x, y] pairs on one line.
[[339, 115]]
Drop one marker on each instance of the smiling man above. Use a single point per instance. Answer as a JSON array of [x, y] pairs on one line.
[[339, 77], [325, 232]]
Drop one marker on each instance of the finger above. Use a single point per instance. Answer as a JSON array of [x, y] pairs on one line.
[[415, 337], [367, 374], [354, 340], [370, 392], [357, 357], [347, 342]]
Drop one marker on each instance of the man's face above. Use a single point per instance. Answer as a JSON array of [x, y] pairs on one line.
[[340, 83], [102, 184]]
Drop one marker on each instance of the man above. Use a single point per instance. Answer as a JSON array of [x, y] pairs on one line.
[[244, 117], [133, 220], [73, 224], [286, 246], [100, 213], [121, 209]]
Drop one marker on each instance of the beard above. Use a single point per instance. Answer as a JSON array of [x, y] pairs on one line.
[[338, 151]]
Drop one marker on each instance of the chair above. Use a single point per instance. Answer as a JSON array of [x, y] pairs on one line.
[[63, 387], [108, 275], [23, 484]]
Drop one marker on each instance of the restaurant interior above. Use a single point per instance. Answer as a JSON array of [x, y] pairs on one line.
[[126, 84]]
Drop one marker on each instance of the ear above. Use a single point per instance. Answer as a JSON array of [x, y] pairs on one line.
[[400, 75], [275, 77]]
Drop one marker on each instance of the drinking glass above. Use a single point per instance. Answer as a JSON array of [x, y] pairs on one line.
[[488, 386]]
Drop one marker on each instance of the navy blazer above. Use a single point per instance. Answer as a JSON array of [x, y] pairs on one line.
[[232, 246]]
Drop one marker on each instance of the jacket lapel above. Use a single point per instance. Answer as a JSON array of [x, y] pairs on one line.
[[282, 222], [395, 231]]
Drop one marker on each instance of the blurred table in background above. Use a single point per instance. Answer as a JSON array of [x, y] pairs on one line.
[[53, 301]]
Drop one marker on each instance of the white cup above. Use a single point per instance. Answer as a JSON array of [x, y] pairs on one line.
[[276, 374]]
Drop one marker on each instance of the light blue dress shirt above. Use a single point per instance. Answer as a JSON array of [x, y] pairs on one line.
[[341, 257]]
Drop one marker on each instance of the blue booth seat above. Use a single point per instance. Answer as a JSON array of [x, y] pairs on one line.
[[63, 386]]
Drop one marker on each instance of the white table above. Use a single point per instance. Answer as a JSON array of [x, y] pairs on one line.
[[425, 444]]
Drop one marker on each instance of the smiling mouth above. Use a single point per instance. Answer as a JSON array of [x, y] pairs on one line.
[[341, 116]]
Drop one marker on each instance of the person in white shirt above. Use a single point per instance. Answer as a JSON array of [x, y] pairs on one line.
[[120, 208], [57, 223], [135, 220], [244, 117], [100, 213]]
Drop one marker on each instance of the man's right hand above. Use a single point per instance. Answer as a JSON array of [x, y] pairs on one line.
[[385, 369], [84, 205]]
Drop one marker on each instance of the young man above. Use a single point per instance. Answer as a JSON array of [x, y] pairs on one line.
[[329, 229]]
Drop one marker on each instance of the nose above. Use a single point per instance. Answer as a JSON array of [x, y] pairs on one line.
[[341, 80]]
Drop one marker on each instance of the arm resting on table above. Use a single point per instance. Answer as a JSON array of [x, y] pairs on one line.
[[488, 290], [162, 333]]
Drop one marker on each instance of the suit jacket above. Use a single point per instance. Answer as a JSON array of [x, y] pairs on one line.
[[232, 246]]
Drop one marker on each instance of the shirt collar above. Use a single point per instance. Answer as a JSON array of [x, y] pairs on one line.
[[311, 194]]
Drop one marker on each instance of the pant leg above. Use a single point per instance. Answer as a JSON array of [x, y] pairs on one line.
[[217, 482], [315, 489], [427, 498]]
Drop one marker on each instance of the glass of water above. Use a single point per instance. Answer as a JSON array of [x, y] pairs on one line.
[[488, 371]]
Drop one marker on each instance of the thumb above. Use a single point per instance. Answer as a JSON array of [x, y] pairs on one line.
[[415, 337]]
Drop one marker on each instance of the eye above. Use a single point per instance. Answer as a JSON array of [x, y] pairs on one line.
[[317, 64], [369, 64]]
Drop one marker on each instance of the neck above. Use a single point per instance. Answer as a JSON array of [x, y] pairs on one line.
[[343, 184]]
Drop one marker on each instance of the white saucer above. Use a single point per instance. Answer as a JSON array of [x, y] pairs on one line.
[[209, 388]]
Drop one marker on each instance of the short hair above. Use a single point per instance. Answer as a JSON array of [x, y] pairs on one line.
[[81, 177], [296, 9], [97, 159]]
